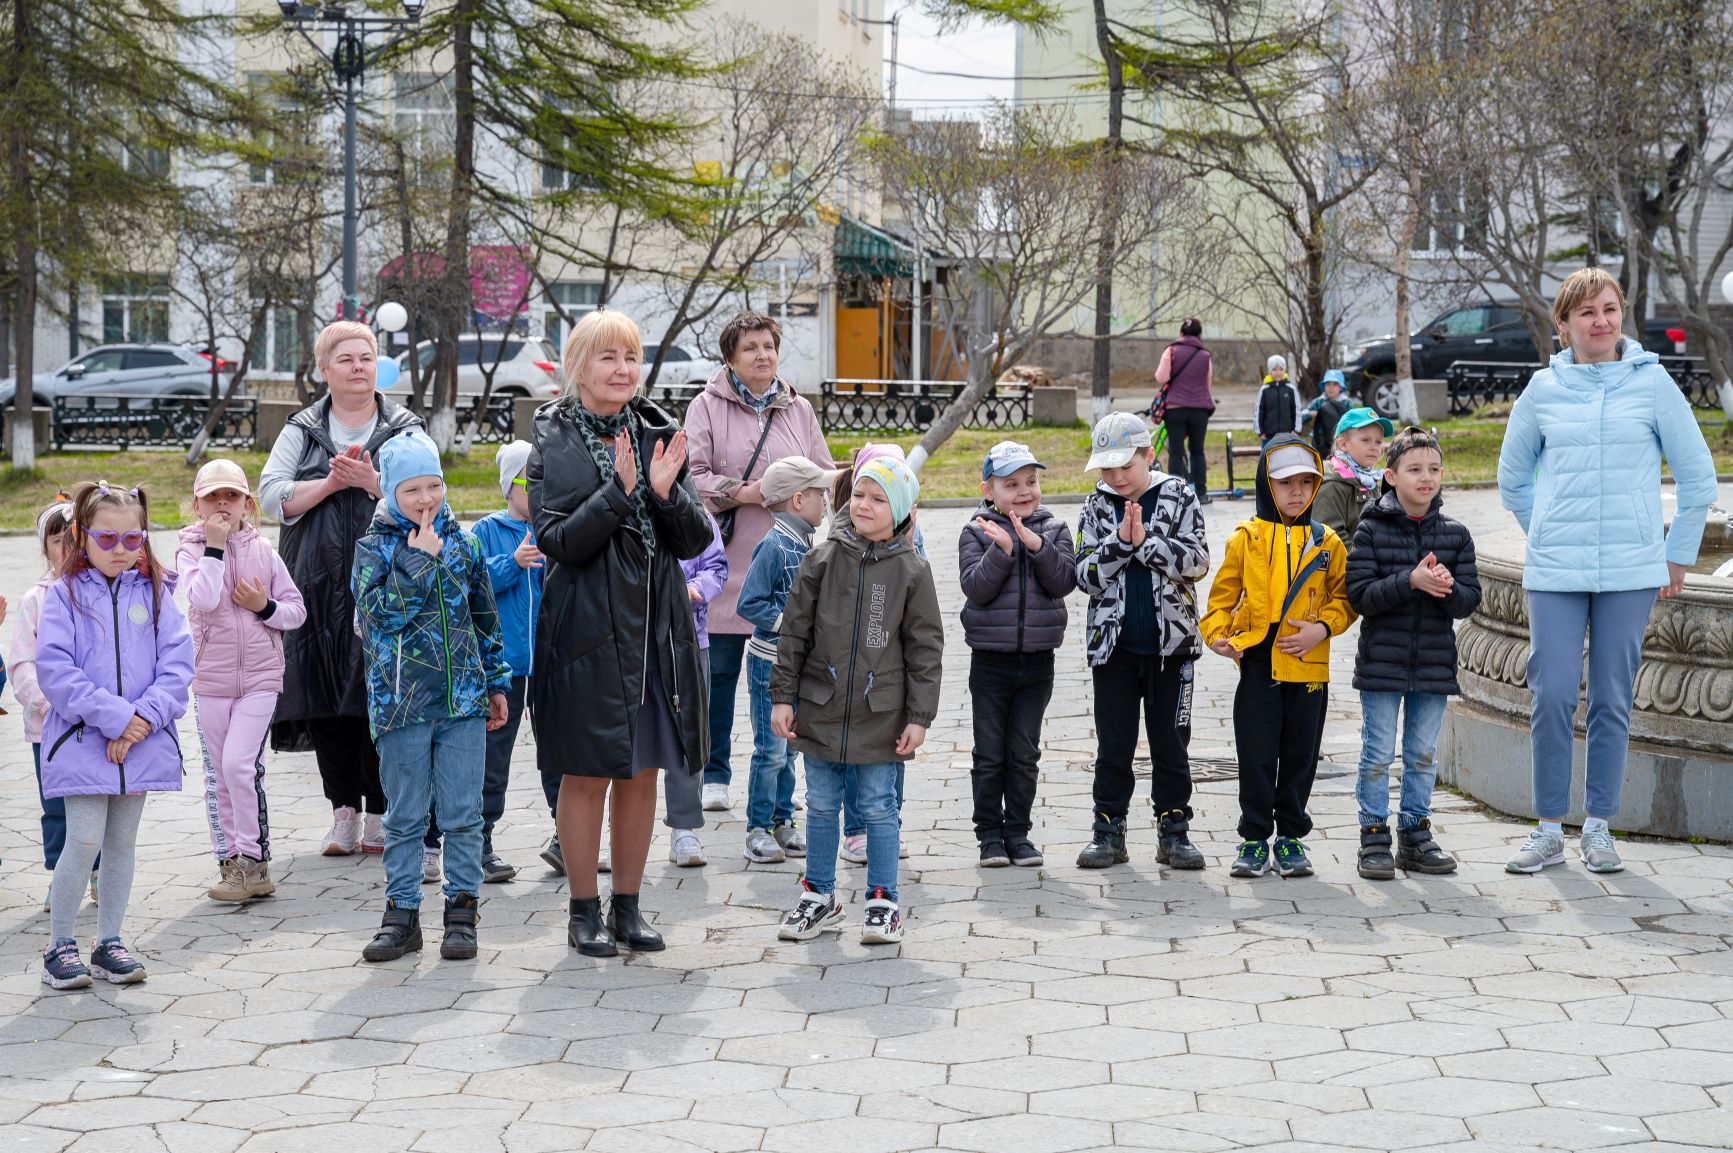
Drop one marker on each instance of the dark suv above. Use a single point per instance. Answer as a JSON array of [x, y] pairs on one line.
[[1492, 332]]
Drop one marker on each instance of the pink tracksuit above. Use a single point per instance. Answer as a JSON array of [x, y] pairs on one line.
[[239, 674]]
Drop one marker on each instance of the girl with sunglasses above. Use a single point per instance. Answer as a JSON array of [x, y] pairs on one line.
[[114, 661]]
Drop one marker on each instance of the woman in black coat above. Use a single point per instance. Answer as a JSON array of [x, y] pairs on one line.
[[618, 692]]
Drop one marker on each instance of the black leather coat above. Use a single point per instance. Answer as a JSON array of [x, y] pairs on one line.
[[600, 603]]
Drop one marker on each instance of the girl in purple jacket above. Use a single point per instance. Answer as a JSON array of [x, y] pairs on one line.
[[114, 661], [240, 602]]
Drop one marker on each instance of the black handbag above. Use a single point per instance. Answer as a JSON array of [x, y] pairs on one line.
[[725, 518]]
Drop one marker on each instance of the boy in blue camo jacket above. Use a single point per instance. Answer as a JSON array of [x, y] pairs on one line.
[[436, 685]]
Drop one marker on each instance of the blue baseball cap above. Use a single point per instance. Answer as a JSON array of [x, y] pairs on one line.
[[1007, 457], [1116, 439]]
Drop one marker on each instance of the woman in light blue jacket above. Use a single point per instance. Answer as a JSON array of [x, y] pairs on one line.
[[1581, 469]]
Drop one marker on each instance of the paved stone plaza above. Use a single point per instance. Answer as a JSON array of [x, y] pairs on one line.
[[1029, 1011]]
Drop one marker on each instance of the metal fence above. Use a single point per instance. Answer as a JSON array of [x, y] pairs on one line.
[[97, 421], [1474, 383], [913, 405], [497, 424]]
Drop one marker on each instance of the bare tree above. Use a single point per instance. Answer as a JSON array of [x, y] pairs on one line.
[[788, 134], [1018, 208]]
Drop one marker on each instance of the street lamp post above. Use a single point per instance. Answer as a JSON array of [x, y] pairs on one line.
[[349, 58]]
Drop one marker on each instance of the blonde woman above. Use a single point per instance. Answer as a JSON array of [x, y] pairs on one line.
[[322, 484], [618, 692], [1581, 469]]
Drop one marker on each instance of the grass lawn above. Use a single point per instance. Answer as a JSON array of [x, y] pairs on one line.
[[1470, 454]]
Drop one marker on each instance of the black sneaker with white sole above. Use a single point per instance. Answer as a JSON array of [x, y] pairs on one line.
[[884, 921], [815, 913], [495, 870]]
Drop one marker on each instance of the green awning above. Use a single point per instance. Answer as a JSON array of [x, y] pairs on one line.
[[862, 250]]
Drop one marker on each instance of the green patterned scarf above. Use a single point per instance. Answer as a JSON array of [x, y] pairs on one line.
[[597, 432]]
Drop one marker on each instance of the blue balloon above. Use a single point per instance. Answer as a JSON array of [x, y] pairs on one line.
[[387, 374]]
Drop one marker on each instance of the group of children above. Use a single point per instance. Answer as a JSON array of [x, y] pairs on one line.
[[844, 665]]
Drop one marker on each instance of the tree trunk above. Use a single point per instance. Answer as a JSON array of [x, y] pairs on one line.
[[1408, 410], [1314, 323], [442, 426], [23, 430], [1101, 351]]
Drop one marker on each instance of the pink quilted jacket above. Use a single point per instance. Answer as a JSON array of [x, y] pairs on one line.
[[239, 652]]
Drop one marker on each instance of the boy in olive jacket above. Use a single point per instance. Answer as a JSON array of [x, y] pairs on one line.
[[1279, 597], [855, 686]]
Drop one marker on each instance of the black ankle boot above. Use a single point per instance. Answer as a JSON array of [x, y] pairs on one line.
[[628, 924], [399, 933], [584, 932], [461, 915], [1419, 853], [1376, 864], [1108, 847], [1174, 848]]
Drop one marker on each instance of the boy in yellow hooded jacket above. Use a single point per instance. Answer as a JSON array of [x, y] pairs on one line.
[[1280, 595]]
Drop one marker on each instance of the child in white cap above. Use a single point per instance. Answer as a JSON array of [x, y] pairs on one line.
[[1278, 407], [240, 600]]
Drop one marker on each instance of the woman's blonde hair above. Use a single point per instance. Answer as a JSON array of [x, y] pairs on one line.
[[1580, 287], [602, 328], [336, 333]]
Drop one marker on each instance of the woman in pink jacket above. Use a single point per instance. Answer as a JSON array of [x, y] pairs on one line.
[[240, 600], [746, 418]]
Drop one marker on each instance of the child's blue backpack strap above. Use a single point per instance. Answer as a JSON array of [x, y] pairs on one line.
[[1319, 560]]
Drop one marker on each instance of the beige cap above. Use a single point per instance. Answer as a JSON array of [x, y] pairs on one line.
[[790, 475], [221, 474]]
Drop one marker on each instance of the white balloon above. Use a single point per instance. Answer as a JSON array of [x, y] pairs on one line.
[[1727, 287], [392, 316]]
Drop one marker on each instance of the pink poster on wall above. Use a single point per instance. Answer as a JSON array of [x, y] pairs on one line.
[[499, 282]]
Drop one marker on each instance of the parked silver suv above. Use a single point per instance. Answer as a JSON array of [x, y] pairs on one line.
[[142, 370], [528, 366]]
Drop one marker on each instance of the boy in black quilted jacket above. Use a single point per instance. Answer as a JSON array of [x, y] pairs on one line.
[[1016, 565], [1411, 576]]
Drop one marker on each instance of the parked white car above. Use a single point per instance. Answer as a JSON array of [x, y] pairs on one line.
[[528, 366], [683, 365]]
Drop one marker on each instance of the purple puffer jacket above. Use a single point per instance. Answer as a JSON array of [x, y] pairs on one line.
[[707, 572], [98, 664]]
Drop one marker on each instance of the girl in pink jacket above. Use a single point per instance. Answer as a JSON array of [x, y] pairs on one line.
[[240, 600]]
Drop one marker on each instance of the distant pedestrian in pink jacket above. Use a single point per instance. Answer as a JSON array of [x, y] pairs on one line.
[[240, 601]]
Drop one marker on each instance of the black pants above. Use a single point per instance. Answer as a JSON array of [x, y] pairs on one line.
[[1161, 689], [348, 763], [1010, 692], [1185, 424], [1278, 729], [496, 773]]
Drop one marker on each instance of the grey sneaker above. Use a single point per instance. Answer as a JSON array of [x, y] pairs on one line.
[[430, 866], [1600, 852], [792, 840], [762, 848], [1540, 850], [685, 849]]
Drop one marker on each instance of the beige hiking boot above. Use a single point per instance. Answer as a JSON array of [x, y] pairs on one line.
[[233, 885], [257, 876]]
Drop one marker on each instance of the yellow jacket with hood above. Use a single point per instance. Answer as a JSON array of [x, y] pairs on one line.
[[1259, 566]]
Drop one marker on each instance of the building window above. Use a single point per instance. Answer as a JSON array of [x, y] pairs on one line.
[[135, 308], [424, 113], [279, 348], [287, 141], [575, 296], [1454, 219]]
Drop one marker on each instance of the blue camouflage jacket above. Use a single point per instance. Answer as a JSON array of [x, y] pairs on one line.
[[429, 626]]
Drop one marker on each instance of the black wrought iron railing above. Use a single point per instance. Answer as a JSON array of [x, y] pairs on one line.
[[497, 424], [913, 405], [97, 421], [675, 398], [1474, 383]]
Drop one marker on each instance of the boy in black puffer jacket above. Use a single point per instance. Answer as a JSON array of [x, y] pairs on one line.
[[1017, 566], [1411, 576]]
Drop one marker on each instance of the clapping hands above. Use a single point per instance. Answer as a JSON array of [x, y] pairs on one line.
[[1431, 578]]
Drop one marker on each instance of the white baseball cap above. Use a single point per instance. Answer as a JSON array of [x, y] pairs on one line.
[[1291, 460], [1116, 439]]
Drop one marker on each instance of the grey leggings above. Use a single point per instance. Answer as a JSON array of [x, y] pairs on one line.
[[102, 824]]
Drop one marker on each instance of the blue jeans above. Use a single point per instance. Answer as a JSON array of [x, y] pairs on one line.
[[1424, 715], [874, 787], [854, 821], [770, 788], [438, 764], [1557, 622], [727, 654]]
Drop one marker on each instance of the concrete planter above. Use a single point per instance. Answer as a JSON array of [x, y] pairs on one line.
[[1053, 407], [1679, 777]]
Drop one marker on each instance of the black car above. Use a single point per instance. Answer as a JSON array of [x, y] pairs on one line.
[[1493, 332]]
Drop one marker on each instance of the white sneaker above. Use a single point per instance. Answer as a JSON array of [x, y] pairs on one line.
[[1600, 851], [884, 921], [854, 849], [762, 849], [716, 798], [685, 849], [430, 873], [345, 833], [902, 848], [1538, 852], [373, 833]]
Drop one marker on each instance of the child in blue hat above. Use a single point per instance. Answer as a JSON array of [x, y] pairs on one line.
[[1351, 470], [437, 682]]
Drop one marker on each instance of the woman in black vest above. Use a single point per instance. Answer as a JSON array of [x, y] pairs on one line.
[[1186, 376], [321, 484]]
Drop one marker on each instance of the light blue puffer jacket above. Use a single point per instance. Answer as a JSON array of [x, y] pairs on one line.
[[1581, 469]]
